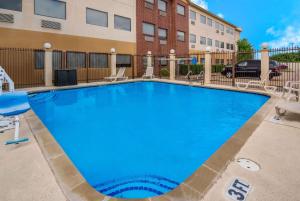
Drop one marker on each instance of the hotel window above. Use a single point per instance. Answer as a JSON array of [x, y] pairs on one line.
[[209, 42], [217, 25], [98, 60], [203, 19], [57, 60], [180, 36], [96, 17], [148, 29], [180, 9], [228, 30], [227, 46], [163, 34], [209, 22], [123, 60], [76, 60], [122, 23], [193, 38], [50, 8], [163, 61], [202, 40], [15, 5], [193, 15], [162, 5], [222, 27], [150, 1], [39, 58], [217, 43], [222, 45]]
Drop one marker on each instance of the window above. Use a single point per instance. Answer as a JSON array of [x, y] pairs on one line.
[[123, 60], [162, 5], [227, 46], [193, 15], [244, 63], [122, 23], [39, 59], [76, 60], [96, 17], [209, 42], [50, 8], [57, 60], [15, 5], [217, 25], [209, 22], [180, 9], [222, 27], [202, 40], [163, 61], [150, 1], [148, 29], [222, 45], [217, 43], [98, 60], [203, 19], [180, 36], [228, 30], [232, 47], [162, 34], [193, 38]]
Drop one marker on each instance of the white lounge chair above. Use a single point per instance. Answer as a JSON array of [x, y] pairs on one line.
[[149, 73], [254, 83], [120, 76], [291, 90], [286, 106], [190, 76]]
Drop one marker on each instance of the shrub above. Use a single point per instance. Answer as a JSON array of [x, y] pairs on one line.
[[196, 69], [164, 72], [217, 68]]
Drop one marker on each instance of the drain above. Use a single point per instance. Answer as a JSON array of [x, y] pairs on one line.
[[248, 164]]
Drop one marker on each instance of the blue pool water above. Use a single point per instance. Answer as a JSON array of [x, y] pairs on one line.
[[142, 139]]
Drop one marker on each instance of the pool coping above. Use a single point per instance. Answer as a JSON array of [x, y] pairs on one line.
[[75, 187]]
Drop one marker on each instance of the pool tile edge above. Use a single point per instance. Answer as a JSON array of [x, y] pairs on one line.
[[75, 186]]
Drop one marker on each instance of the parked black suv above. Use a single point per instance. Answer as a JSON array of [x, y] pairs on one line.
[[250, 68]]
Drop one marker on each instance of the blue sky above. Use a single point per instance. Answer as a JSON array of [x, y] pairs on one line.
[[276, 22]]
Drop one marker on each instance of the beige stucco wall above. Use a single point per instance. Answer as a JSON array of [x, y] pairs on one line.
[[200, 29], [75, 23]]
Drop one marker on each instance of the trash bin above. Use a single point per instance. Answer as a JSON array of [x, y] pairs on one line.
[[65, 77]]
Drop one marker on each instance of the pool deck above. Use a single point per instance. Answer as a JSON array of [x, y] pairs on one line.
[[32, 171]]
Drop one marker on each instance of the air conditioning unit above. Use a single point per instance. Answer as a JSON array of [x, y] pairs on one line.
[[7, 18], [149, 38], [217, 31], [163, 42], [193, 22], [162, 13], [50, 25], [193, 46]]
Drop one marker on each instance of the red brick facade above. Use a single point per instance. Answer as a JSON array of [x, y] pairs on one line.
[[172, 21]]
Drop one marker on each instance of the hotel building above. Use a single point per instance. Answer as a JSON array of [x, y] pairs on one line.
[[208, 30]]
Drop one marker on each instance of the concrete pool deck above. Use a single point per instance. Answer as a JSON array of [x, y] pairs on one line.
[[26, 174]]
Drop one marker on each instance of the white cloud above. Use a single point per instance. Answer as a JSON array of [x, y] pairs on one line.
[[201, 3], [286, 37], [220, 15]]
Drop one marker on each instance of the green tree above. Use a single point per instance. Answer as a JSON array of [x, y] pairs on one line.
[[245, 50]]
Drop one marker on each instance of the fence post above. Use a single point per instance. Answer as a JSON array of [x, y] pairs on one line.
[[172, 64], [265, 62], [149, 59], [113, 61], [207, 70], [48, 74]]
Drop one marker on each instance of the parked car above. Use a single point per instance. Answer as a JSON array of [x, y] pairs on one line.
[[250, 68], [279, 65]]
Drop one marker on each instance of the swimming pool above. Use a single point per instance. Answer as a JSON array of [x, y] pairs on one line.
[[142, 139]]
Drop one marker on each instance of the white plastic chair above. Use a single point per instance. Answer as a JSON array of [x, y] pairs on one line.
[[254, 83], [120, 75], [149, 73]]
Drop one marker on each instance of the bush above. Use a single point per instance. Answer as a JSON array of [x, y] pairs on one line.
[[196, 69], [217, 68], [164, 72]]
